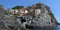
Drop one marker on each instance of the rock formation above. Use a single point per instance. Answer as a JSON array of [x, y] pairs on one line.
[[39, 16], [2, 13]]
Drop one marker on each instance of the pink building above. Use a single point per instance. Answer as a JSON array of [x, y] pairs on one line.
[[37, 12], [21, 12]]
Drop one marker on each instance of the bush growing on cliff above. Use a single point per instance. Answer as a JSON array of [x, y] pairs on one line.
[[17, 7]]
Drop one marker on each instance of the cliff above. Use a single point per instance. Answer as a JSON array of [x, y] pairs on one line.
[[39, 15], [42, 15]]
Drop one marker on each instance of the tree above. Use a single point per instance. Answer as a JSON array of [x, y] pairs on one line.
[[5, 11], [17, 7]]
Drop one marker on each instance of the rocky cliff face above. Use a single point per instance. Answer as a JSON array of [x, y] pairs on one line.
[[2, 13], [42, 16], [39, 15]]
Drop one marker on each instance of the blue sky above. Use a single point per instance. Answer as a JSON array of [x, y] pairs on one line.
[[53, 4]]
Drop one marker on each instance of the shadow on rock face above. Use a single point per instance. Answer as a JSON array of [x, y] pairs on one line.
[[27, 26], [11, 27], [22, 20], [2, 26]]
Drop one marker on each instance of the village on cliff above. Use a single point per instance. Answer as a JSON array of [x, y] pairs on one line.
[[18, 17]]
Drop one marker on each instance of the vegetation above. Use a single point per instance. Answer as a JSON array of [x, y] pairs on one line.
[[17, 7], [5, 11]]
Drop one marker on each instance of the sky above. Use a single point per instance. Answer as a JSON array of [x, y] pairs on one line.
[[53, 4]]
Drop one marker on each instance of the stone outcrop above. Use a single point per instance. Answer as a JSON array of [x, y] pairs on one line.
[[43, 16], [39, 15], [2, 13]]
